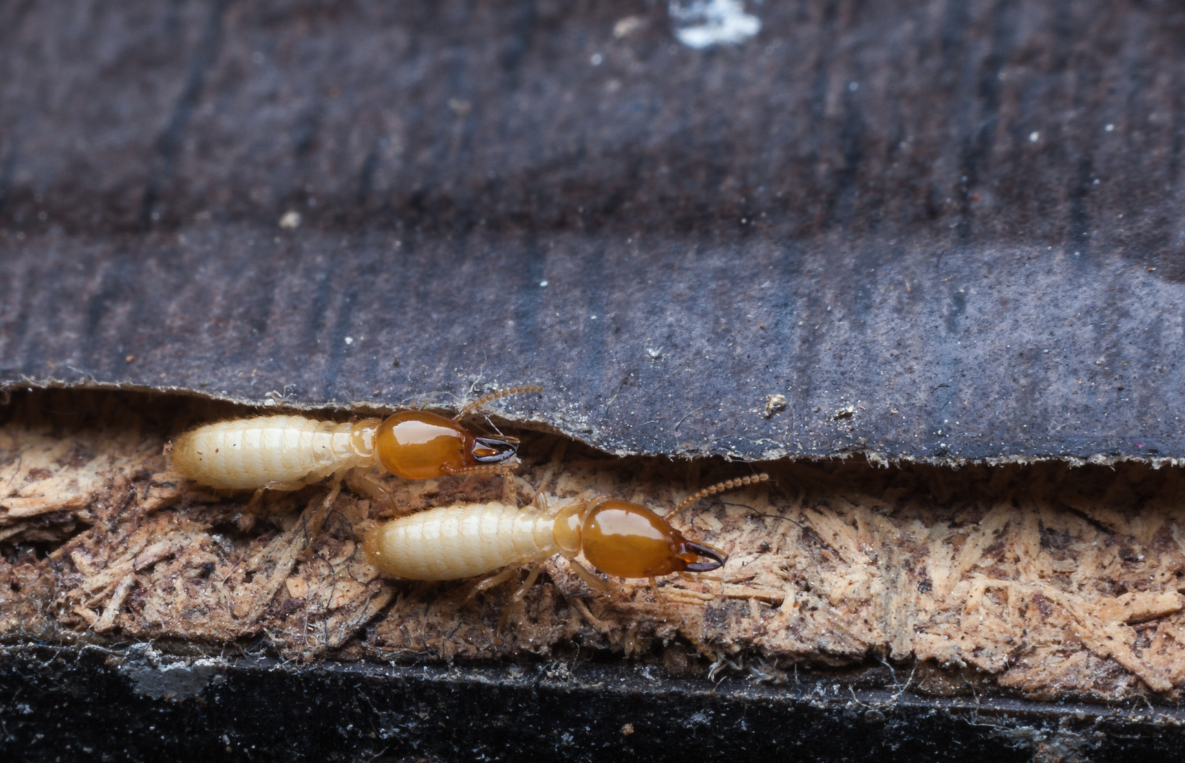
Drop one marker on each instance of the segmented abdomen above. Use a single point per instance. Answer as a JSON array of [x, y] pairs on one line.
[[462, 541], [249, 453]]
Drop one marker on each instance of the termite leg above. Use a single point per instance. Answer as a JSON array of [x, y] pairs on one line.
[[490, 582], [364, 484], [530, 581], [245, 519], [701, 577], [516, 601], [502, 469], [590, 579], [662, 602], [659, 599], [284, 487]]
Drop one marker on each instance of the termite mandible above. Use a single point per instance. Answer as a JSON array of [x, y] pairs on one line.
[[289, 452], [616, 537]]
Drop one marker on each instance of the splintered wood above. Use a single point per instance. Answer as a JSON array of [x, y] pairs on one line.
[[1054, 581]]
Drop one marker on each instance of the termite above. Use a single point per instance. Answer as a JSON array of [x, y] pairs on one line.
[[289, 452], [616, 537]]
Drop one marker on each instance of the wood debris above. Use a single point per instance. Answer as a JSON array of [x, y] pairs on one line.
[[1053, 581]]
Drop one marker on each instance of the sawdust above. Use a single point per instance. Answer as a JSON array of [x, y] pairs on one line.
[[1047, 580]]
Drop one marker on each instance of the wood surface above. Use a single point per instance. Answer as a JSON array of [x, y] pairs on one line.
[[940, 230]]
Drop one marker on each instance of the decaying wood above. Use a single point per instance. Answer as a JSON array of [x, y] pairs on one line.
[[1053, 581]]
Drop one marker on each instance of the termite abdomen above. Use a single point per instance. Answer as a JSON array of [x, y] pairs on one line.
[[462, 541], [246, 454]]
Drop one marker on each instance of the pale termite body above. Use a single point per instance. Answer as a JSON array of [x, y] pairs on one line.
[[615, 537], [287, 452]]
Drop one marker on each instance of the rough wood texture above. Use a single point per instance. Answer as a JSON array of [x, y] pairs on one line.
[[940, 230], [1052, 581]]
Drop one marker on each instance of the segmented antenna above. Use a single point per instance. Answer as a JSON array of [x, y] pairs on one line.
[[479, 402], [485, 469], [717, 488]]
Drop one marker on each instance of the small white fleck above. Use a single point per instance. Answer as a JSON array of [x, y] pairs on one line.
[[1110, 128], [853, 86], [543, 283], [595, 59], [654, 353], [290, 220], [627, 25], [702, 24], [1034, 137], [592, 317], [349, 340]]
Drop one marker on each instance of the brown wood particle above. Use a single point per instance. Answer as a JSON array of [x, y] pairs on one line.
[[1049, 580]]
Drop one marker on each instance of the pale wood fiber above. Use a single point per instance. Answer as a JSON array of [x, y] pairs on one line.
[[1049, 580]]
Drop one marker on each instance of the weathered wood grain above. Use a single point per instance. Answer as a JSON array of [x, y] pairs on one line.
[[940, 230]]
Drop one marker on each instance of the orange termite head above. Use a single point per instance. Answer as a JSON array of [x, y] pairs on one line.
[[418, 445], [630, 541]]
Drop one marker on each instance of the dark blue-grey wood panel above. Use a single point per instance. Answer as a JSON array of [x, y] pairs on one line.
[[961, 219]]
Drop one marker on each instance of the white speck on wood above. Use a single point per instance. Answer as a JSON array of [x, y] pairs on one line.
[[703, 24]]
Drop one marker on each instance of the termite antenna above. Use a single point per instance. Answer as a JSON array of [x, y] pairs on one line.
[[479, 402], [717, 488]]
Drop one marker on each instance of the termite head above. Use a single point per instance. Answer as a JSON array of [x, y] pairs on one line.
[[418, 445], [630, 541]]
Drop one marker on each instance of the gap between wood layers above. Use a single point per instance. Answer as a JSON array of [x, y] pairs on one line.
[[1049, 580]]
